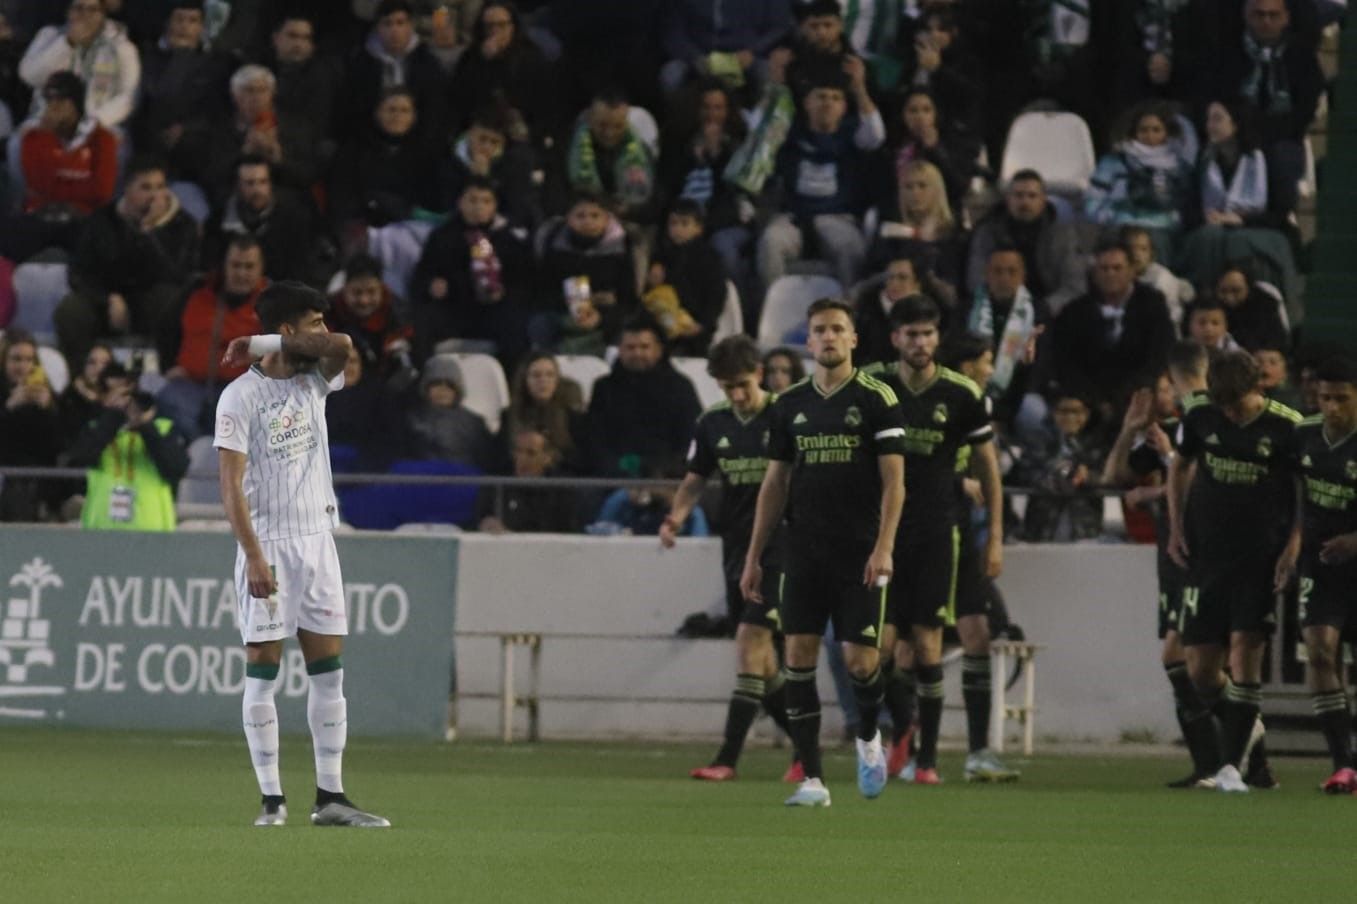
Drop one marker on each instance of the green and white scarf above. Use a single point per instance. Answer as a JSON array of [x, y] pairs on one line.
[[1018, 329], [1268, 76], [633, 173]]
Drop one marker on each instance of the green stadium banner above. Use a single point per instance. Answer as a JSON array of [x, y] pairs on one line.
[[126, 630]]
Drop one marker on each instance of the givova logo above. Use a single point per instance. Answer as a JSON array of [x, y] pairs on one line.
[[24, 641]]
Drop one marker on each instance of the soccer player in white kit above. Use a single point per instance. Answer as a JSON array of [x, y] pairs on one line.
[[276, 486]]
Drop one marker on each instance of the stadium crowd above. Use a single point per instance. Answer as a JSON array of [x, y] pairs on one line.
[[543, 179]]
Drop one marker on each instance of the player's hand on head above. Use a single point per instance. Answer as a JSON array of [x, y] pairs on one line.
[[237, 353]]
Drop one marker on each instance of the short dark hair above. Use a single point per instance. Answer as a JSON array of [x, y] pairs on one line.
[[1108, 246], [1207, 301], [66, 85], [481, 183], [141, 164], [1188, 358], [733, 357], [688, 207], [242, 241], [360, 266], [810, 9], [588, 197], [253, 160], [914, 309], [388, 7], [826, 77], [391, 91], [963, 348], [492, 116], [1130, 231], [1028, 175], [294, 15], [1338, 369], [1233, 375], [285, 302], [644, 323], [820, 305], [1006, 248]]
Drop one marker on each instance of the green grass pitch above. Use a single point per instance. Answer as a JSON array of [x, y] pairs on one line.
[[111, 816]]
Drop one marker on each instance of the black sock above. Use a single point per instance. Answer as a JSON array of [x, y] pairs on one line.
[[324, 797], [803, 717], [775, 701], [868, 693], [744, 706], [975, 691], [902, 694], [1199, 730], [1242, 702], [930, 713], [273, 801], [1331, 708]]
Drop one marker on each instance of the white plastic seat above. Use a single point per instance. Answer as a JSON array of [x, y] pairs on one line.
[[201, 486], [695, 369], [58, 374], [645, 127], [1057, 145], [584, 370], [487, 391], [38, 289], [784, 307], [731, 321]]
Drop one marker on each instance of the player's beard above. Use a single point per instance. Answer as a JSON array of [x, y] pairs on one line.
[[919, 360], [831, 358]]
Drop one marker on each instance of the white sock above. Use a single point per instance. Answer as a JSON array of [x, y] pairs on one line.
[[327, 713], [260, 718]]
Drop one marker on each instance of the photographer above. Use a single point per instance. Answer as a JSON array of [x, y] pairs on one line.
[[135, 459]]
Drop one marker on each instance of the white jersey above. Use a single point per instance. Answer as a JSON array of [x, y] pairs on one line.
[[280, 427]]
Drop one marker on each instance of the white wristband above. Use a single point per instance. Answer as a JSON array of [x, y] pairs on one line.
[[263, 345]]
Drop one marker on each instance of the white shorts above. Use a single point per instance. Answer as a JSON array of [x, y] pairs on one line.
[[310, 591]]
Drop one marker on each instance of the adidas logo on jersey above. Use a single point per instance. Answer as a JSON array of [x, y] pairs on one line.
[[1213, 440], [723, 443], [800, 418], [869, 631]]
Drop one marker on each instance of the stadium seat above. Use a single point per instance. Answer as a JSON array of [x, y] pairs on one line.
[[200, 486], [584, 370], [1057, 145], [731, 320], [39, 288], [784, 307], [388, 506], [487, 392], [645, 127], [193, 199], [695, 369], [58, 375]]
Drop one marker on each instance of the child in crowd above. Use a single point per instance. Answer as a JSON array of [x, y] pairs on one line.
[[440, 426], [686, 285], [1060, 509], [587, 280]]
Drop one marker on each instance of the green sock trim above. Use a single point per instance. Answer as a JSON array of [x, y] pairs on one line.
[[321, 666], [262, 670]]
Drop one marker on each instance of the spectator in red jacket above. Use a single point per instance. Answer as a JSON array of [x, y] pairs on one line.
[[366, 309], [218, 311], [70, 167]]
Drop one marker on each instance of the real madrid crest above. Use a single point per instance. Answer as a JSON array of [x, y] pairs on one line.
[[1265, 447], [1350, 469], [940, 414], [852, 417]]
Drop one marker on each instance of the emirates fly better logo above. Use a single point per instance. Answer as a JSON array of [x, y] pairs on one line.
[[24, 651]]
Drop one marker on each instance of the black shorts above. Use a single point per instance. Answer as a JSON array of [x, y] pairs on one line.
[[1221, 596], [1328, 593], [923, 590], [1171, 581], [760, 615], [972, 584], [815, 594]]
